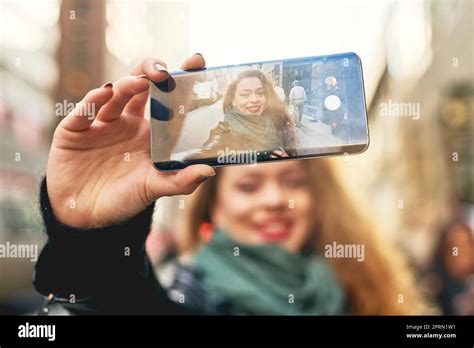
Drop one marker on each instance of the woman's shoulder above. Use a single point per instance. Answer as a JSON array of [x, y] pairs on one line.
[[185, 289]]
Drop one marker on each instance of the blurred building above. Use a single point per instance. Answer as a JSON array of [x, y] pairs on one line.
[[28, 73]]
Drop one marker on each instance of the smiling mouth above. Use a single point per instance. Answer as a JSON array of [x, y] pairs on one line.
[[274, 232], [253, 109]]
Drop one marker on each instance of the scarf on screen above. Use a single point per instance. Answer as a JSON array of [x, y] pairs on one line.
[[267, 280], [259, 128]]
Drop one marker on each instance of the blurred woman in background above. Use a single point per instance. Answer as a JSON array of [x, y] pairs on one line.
[[258, 235], [450, 280]]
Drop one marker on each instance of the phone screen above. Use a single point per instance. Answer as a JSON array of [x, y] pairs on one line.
[[257, 112]]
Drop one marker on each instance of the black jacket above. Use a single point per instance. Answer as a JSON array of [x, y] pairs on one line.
[[106, 270]]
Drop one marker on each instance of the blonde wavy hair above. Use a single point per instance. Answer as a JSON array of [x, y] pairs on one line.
[[380, 285]]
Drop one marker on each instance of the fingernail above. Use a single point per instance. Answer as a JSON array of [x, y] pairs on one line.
[[142, 77], [160, 67], [197, 54], [107, 85]]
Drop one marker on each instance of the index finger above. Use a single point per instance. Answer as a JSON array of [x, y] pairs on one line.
[[155, 69], [196, 61]]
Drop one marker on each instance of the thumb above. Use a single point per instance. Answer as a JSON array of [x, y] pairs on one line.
[[182, 182], [188, 179]]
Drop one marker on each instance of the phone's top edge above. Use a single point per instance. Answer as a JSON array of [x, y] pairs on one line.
[[345, 54]]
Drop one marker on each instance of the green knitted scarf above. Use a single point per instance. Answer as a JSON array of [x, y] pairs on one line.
[[267, 280]]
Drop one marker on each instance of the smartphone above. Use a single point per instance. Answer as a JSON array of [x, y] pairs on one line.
[[259, 112]]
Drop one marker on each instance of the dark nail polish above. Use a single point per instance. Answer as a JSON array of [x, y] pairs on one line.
[[197, 54], [107, 85]]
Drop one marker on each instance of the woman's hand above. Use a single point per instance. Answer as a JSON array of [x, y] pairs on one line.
[[279, 153], [99, 169]]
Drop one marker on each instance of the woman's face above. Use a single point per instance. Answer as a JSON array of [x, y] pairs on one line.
[[268, 203], [461, 264], [249, 96]]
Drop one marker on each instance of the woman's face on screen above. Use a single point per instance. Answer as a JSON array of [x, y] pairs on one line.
[[267, 203], [250, 96]]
